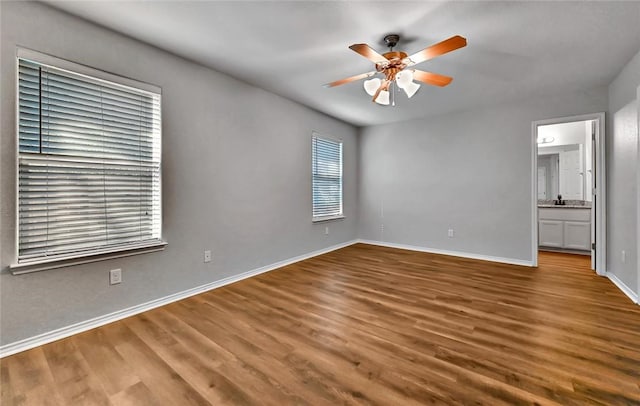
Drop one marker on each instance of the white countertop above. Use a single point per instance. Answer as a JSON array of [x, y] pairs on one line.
[[564, 206]]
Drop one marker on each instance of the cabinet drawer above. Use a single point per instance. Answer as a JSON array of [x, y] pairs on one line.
[[564, 214]]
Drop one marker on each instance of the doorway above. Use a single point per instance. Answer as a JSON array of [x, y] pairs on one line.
[[568, 187]]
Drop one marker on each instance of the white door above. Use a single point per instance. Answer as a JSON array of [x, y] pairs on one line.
[[592, 175], [542, 183], [571, 182], [555, 172]]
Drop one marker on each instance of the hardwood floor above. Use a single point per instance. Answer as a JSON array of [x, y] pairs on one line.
[[362, 325]]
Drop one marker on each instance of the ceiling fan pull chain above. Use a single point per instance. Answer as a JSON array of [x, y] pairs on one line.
[[393, 93]]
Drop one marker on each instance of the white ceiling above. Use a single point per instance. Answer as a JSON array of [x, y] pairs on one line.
[[515, 49]]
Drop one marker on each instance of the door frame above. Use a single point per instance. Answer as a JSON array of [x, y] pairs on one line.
[[599, 184], [638, 204]]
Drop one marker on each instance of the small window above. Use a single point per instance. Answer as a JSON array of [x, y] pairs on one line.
[[88, 164], [327, 178]]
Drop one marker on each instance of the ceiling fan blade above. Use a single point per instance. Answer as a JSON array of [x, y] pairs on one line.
[[431, 78], [369, 53], [350, 79], [438, 49]]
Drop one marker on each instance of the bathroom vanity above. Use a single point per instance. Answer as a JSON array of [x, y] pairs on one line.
[[565, 227]]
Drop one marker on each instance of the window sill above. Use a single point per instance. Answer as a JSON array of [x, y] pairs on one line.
[[43, 264], [327, 218]]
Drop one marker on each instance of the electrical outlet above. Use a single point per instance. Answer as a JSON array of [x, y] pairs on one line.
[[207, 256], [623, 256], [450, 233], [326, 230], [115, 276]]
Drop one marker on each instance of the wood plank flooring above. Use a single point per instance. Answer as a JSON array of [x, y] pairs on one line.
[[360, 326]]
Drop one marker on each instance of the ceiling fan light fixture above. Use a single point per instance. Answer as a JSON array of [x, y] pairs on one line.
[[392, 67], [545, 140], [403, 78], [410, 88], [383, 98], [371, 86]]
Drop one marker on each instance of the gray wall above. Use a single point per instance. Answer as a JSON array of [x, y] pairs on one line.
[[469, 171], [236, 178], [622, 178]]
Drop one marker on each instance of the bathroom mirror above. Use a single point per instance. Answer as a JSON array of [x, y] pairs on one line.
[[564, 161]]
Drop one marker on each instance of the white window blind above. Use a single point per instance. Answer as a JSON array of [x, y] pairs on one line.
[[88, 164], [327, 177]]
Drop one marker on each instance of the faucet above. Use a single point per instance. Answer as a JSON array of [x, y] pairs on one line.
[[559, 202]]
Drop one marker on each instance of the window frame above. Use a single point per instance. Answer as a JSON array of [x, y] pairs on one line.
[[339, 216], [20, 266]]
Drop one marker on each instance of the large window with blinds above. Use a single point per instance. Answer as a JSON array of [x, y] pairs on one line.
[[326, 158], [88, 164]]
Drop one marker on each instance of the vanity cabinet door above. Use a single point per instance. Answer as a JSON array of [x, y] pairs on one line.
[[577, 235], [550, 233]]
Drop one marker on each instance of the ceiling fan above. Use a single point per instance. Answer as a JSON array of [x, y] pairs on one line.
[[393, 65]]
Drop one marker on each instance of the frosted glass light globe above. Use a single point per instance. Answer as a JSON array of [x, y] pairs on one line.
[[411, 88], [383, 98], [371, 86], [403, 78]]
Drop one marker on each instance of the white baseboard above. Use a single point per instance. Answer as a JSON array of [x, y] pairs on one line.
[[624, 288], [57, 334], [510, 261]]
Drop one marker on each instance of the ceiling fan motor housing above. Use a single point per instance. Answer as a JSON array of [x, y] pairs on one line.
[[396, 63], [395, 58]]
